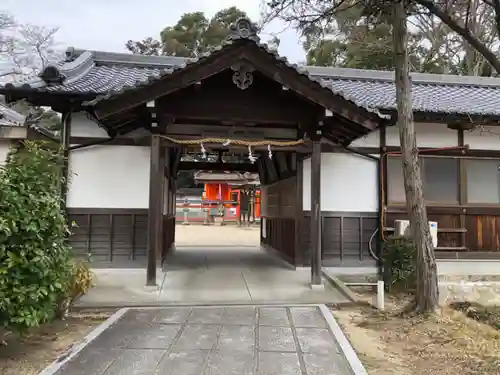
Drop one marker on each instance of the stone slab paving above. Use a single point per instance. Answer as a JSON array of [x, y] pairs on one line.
[[248, 340]]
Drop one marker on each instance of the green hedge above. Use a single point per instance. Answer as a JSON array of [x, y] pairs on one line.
[[399, 261], [34, 256]]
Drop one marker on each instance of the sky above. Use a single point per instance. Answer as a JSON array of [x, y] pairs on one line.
[[107, 24]]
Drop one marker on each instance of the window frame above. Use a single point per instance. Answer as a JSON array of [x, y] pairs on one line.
[[465, 184], [422, 168]]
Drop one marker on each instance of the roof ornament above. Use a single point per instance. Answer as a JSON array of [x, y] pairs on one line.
[[52, 76], [242, 76], [70, 54], [243, 28]]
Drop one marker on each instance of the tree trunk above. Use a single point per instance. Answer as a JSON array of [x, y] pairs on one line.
[[427, 285]]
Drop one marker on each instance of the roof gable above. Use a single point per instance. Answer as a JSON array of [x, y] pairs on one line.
[[242, 46]]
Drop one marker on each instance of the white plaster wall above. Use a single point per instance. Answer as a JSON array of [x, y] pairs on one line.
[[109, 177], [82, 126], [428, 135], [348, 183], [487, 138], [4, 150]]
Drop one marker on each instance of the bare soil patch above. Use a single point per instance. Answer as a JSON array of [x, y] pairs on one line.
[[445, 343], [31, 353]]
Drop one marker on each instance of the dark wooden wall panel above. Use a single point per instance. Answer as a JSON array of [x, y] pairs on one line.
[[487, 230], [79, 239], [345, 240], [474, 232], [140, 248], [279, 210], [168, 234], [279, 199], [109, 235], [100, 238], [287, 195], [122, 241], [279, 236]]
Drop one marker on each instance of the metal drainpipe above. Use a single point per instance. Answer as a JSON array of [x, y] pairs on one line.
[[380, 265], [96, 143], [93, 117], [353, 151]]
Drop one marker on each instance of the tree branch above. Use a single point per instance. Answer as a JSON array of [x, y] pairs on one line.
[[463, 32]]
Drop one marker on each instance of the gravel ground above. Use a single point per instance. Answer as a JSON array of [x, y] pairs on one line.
[[213, 235]]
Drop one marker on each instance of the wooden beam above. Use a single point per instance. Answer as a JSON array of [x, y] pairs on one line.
[[316, 234], [339, 125], [238, 106], [65, 145], [119, 141], [206, 166], [175, 160], [299, 214], [462, 126], [156, 180], [292, 161], [304, 147]]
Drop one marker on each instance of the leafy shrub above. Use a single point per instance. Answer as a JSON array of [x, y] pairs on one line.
[[34, 255], [399, 260], [79, 283], [81, 280]]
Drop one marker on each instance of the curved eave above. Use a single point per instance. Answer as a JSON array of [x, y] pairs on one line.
[[43, 97], [69, 70], [443, 116]]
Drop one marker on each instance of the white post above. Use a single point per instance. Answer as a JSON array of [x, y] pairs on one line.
[[380, 295]]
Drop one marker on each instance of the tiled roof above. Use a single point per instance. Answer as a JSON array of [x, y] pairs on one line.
[[9, 117], [103, 74], [431, 93]]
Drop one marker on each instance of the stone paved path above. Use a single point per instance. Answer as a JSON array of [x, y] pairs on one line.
[[245, 340]]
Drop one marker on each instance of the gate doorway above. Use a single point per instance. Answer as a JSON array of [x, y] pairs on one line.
[[241, 98]]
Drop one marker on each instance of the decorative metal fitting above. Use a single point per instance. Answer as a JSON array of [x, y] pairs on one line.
[[242, 76]]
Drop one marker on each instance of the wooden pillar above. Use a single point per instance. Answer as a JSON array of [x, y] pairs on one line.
[[173, 209], [316, 210], [299, 213], [165, 214], [65, 145], [155, 225], [462, 189]]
